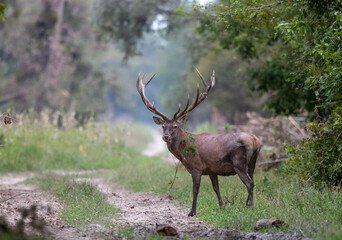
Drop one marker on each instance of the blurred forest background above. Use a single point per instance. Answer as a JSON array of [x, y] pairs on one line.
[[274, 58], [80, 56]]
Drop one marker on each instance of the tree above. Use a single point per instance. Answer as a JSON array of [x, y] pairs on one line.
[[299, 44], [298, 41], [125, 22], [47, 61]]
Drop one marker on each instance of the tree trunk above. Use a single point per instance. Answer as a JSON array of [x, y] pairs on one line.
[[55, 57]]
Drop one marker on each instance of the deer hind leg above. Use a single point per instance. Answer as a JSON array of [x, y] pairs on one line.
[[214, 181], [242, 170], [196, 180], [248, 181], [252, 162]]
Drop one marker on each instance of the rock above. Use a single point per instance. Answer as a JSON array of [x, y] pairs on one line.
[[167, 230], [272, 222]]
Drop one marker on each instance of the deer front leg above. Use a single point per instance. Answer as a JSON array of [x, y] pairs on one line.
[[196, 181], [214, 182]]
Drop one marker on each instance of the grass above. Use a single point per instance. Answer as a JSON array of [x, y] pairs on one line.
[[34, 146], [83, 203], [313, 212]]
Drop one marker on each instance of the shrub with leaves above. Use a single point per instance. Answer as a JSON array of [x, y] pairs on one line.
[[319, 157]]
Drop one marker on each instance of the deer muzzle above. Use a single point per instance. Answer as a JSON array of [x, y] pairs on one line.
[[167, 138]]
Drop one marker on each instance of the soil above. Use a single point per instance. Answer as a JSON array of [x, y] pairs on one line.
[[145, 213]]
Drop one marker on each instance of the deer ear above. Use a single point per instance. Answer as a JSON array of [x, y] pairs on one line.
[[182, 120], [158, 121]]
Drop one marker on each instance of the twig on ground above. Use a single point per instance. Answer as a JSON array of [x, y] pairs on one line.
[[174, 177], [6, 199]]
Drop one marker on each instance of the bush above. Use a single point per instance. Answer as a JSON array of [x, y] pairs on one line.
[[318, 158]]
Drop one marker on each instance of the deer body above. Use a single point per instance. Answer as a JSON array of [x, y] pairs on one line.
[[214, 153], [207, 154]]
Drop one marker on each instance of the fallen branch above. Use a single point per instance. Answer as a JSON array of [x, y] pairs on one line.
[[275, 161]]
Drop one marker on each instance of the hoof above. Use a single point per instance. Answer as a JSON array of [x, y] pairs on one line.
[[191, 214]]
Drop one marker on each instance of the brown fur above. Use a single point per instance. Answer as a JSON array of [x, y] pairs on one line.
[[214, 155]]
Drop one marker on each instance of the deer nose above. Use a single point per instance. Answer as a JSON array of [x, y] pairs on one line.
[[166, 137]]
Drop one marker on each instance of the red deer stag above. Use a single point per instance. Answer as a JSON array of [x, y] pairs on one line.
[[206, 154]]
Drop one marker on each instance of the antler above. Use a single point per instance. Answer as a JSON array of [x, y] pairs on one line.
[[199, 98], [141, 90]]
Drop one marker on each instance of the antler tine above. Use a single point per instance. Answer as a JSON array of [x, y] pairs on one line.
[[179, 106], [150, 79], [180, 114], [202, 78], [213, 79], [141, 90], [199, 98]]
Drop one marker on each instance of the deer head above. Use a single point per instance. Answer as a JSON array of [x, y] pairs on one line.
[[171, 127]]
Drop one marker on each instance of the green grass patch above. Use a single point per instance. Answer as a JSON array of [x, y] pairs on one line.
[[35, 148], [316, 213], [82, 202]]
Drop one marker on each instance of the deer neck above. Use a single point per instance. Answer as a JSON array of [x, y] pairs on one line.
[[177, 144]]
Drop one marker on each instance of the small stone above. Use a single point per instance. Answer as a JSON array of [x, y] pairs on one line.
[[167, 230]]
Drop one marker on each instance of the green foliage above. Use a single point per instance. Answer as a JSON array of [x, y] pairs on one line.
[[2, 12], [83, 203], [298, 43], [189, 140], [319, 158]]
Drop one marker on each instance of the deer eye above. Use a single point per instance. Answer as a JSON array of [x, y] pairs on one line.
[[175, 127]]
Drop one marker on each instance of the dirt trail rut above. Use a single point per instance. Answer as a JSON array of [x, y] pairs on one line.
[[150, 209]]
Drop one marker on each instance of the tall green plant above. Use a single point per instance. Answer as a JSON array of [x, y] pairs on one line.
[[319, 158]]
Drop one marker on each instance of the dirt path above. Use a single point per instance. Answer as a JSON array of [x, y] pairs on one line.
[[149, 209], [16, 196], [141, 211], [156, 146]]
